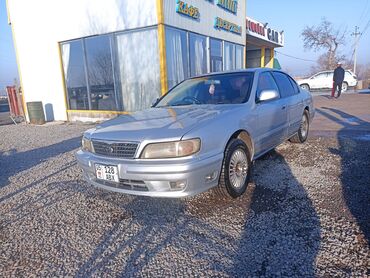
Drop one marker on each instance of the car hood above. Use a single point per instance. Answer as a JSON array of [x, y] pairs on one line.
[[158, 123]]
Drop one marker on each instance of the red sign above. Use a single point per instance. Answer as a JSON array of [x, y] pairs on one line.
[[255, 27]]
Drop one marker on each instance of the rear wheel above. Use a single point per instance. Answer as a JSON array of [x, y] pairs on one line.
[[305, 87], [302, 133], [236, 169], [344, 86]]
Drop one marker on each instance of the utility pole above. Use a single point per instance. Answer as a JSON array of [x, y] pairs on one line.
[[356, 34]]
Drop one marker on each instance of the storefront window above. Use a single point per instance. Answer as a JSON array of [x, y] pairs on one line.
[[216, 55], [177, 56], [198, 54], [100, 73], [138, 63], [239, 56], [229, 56], [74, 73], [253, 58]]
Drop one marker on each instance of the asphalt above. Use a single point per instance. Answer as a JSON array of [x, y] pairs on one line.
[[349, 114]]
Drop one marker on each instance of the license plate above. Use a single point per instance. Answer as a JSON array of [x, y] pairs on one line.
[[106, 172]]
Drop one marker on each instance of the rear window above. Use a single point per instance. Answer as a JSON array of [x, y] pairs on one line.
[[348, 75]]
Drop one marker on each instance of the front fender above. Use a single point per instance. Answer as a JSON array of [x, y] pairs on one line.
[[216, 133]]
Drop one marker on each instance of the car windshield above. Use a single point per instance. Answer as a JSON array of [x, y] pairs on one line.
[[215, 89]]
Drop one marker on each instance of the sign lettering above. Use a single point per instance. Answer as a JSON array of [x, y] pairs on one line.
[[227, 26], [267, 33], [230, 5], [188, 10]]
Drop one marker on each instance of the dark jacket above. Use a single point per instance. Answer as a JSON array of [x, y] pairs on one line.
[[338, 75]]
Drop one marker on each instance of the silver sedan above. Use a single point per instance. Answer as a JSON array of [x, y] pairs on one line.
[[204, 133]]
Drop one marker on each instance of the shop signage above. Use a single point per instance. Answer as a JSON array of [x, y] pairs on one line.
[[227, 26], [273, 35], [230, 5], [188, 10], [261, 30], [256, 28]]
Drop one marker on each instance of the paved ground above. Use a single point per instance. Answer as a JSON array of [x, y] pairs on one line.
[[307, 212], [349, 113]]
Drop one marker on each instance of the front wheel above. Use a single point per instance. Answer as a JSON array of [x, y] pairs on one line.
[[344, 86], [236, 169], [302, 133]]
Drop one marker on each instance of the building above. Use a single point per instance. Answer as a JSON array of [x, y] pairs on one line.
[[261, 42], [90, 60]]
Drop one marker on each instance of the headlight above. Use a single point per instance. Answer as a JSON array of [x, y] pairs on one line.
[[87, 145], [171, 149]]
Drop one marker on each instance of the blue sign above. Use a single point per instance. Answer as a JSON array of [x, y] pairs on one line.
[[227, 26], [230, 5], [188, 10]]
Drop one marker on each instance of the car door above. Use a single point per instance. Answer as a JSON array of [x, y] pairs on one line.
[[316, 81], [329, 80], [272, 116], [289, 92]]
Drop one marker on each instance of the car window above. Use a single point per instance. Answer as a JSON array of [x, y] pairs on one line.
[[285, 86], [320, 75], [266, 82], [348, 75], [294, 84]]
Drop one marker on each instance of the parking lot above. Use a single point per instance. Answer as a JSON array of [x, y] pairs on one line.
[[306, 213]]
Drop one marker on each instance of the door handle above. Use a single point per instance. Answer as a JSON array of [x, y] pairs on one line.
[[283, 107]]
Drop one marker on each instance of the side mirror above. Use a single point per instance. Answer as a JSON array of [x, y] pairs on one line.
[[154, 102], [267, 95]]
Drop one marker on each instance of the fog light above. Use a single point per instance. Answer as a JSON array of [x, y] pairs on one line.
[[212, 176], [177, 185]]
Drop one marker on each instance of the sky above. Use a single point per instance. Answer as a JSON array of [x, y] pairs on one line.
[[293, 15], [288, 15]]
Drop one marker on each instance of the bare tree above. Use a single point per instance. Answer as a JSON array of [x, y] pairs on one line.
[[324, 37], [100, 69]]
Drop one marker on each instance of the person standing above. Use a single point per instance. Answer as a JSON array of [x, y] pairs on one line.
[[338, 78]]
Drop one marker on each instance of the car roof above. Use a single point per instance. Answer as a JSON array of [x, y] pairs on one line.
[[330, 71], [252, 70]]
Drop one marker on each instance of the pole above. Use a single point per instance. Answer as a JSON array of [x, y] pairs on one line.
[[356, 34]]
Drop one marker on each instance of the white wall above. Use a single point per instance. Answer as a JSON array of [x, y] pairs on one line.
[[205, 25], [39, 26]]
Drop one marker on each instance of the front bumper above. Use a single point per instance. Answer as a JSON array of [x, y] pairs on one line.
[[155, 178]]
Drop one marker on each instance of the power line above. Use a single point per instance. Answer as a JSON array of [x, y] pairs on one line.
[[364, 12], [365, 29], [306, 60]]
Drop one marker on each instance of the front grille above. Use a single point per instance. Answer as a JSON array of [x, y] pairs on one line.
[[135, 185], [115, 149]]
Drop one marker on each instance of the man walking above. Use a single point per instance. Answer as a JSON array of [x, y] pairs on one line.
[[338, 79]]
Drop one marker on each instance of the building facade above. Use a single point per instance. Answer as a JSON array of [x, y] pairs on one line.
[[90, 60], [261, 42]]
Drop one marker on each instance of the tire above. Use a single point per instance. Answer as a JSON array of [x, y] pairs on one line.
[[302, 133], [234, 179], [305, 87], [344, 87]]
